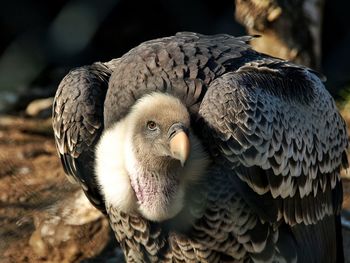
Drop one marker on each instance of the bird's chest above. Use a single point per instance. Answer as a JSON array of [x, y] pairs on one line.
[[210, 239]]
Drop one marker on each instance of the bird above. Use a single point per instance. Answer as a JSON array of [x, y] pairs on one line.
[[200, 149]]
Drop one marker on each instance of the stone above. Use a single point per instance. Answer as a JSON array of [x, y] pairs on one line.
[[40, 108]]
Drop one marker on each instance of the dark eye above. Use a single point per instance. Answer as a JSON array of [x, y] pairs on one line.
[[151, 125]]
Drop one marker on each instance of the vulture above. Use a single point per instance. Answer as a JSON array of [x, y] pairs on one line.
[[200, 149]]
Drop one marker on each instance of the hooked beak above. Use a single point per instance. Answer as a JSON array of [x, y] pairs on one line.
[[179, 143]]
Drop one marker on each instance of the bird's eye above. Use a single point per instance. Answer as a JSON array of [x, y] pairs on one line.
[[151, 125]]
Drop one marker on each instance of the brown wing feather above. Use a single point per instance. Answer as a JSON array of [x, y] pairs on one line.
[[277, 128], [78, 122], [279, 119]]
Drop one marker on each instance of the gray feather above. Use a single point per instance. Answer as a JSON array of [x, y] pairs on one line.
[[274, 136]]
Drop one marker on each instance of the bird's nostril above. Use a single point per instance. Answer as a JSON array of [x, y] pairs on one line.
[[172, 134], [175, 128]]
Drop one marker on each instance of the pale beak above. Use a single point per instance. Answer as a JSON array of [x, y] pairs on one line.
[[180, 146]]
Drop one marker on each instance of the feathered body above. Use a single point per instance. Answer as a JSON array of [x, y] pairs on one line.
[[262, 180]]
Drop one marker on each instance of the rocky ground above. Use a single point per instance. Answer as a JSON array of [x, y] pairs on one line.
[[38, 219]]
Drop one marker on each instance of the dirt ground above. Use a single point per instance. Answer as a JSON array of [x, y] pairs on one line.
[[33, 190]]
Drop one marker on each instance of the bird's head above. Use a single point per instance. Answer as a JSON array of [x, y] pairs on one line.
[[159, 157], [160, 127]]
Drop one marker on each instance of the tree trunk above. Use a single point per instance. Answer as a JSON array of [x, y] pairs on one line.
[[289, 29]]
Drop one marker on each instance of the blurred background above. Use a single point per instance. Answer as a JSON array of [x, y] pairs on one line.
[[42, 40]]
